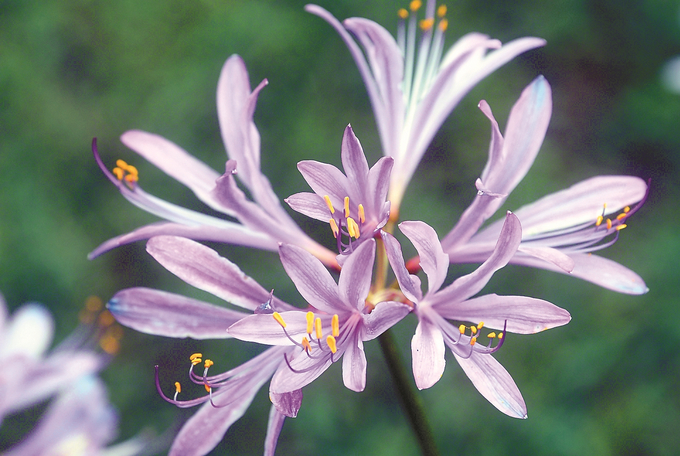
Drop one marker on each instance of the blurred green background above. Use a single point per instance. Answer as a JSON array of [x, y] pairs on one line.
[[606, 384]]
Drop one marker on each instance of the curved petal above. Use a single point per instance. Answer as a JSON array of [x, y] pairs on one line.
[[203, 268], [427, 351], [307, 370], [409, 284], [356, 275], [325, 179], [264, 329], [171, 315], [433, 260], [385, 315], [354, 161], [518, 314], [354, 365], [494, 383], [274, 426], [309, 204]]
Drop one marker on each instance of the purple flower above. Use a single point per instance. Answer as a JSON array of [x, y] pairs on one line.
[[261, 223], [161, 313], [560, 230], [414, 86], [340, 322], [354, 204], [517, 314]]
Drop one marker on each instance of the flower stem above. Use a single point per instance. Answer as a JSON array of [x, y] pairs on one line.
[[412, 403]]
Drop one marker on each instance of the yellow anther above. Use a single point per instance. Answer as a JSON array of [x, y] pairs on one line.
[[178, 387], [208, 363], [346, 206], [621, 216], [207, 388], [620, 227], [626, 209], [362, 214], [461, 328], [196, 355], [317, 326], [402, 13], [306, 344], [334, 228], [599, 220], [279, 319], [473, 340], [441, 11], [196, 361], [415, 5], [500, 335], [443, 24], [604, 206], [310, 322], [121, 164], [353, 228], [491, 335], [130, 178], [105, 319], [480, 325], [473, 329], [119, 173], [426, 24], [330, 340], [335, 325], [609, 224], [327, 199], [132, 170]]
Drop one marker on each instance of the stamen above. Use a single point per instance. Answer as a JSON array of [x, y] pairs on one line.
[[353, 228], [415, 5], [346, 206], [362, 215], [330, 340], [327, 199], [119, 173], [402, 13], [319, 332], [626, 209], [620, 227], [306, 345], [310, 322], [426, 24], [178, 389], [473, 340], [443, 24], [480, 325], [609, 224], [621, 216], [279, 319], [208, 363], [491, 335], [441, 11], [335, 326], [461, 328], [334, 228], [599, 220], [473, 329], [196, 358]]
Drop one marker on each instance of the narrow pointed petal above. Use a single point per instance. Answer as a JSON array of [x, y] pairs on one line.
[[379, 183], [203, 268], [312, 279], [409, 284], [285, 380], [264, 329], [274, 426], [227, 232], [287, 404], [356, 275], [385, 315], [171, 315], [469, 285], [354, 365], [325, 179], [427, 351], [309, 204], [354, 161], [519, 314], [175, 162], [433, 260], [494, 383], [554, 256]]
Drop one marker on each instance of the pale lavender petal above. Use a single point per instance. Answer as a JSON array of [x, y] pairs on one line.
[[379, 183], [175, 162], [228, 232], [385, 315], [427, 351], [354, 365], [264, 329], [466, 286], [309, 204], [554, 256], [312, 279], [287, 403], [356, 275], [171, 315], [494, 383], [274, 426], [408, 283], [354, 161], [203, 268], [325, 179], [28, 332], [433, 260], [285, 380], [519, 314]]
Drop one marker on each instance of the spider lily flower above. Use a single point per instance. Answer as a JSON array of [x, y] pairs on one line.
[[339, 323], [560, 230], [438, 305], [413, 86], [261, 223], [160, 313], [34, 374], [354, 204]]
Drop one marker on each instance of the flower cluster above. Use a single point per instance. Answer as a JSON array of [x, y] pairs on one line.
[[346, 298]]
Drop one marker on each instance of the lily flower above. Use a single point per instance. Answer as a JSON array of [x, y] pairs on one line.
[[261, 223], [561, 230], [413, 87], [340, 322], [354, 204], [36, 375], [160, 313], [438, 305]]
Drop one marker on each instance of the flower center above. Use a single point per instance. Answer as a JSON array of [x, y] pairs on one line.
[[466, 338], [345, 225], [126, 173]]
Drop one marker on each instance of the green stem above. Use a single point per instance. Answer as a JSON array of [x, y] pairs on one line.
[[410, 400]]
